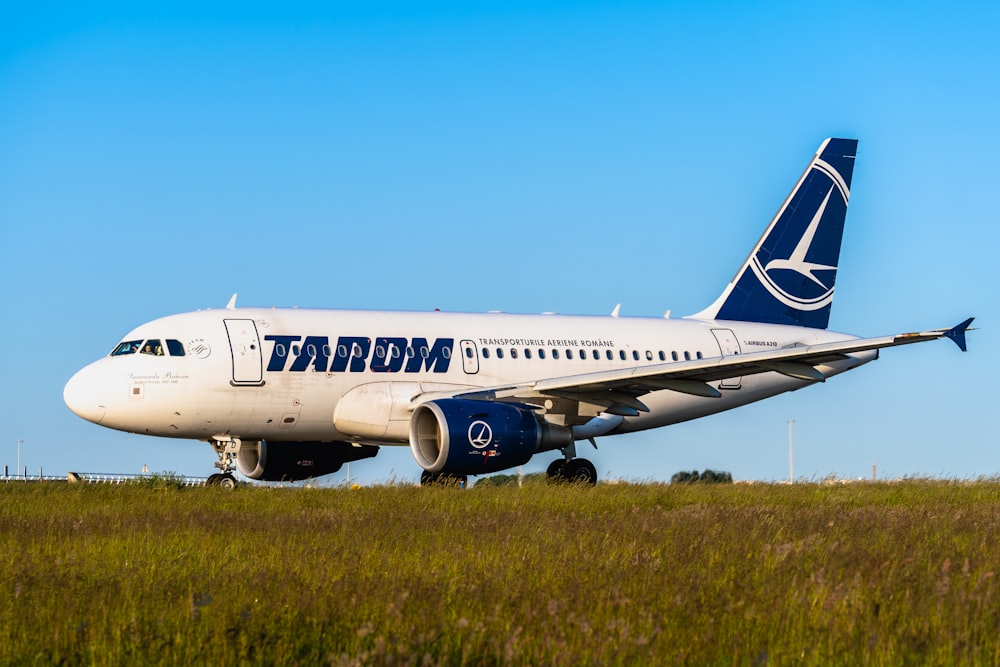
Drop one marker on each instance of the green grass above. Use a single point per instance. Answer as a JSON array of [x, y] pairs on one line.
[[902, 573]]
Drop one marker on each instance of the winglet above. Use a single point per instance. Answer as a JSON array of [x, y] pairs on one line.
[[232, 303], [957, 333]]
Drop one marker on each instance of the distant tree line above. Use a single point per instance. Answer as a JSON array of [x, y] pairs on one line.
[[707, 477]]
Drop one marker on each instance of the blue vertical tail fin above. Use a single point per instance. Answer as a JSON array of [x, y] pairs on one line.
[[789, 276]]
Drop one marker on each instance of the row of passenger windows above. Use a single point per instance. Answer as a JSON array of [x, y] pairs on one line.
[[152, 346], [582, 354], [356, 351]]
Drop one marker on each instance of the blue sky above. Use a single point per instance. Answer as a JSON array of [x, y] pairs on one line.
[[526, 157]]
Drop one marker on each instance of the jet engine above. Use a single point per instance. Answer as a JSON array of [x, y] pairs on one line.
[[467, 437], [292, 461]]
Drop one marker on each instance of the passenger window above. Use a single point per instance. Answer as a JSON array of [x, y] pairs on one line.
[[663, 355], [175, 347], [569, 354], [649, 355], [326, 350], [698, 355], [153, 347], [621, 353], [295, 350], [486, 353], [609, 355], [126, 347], [597, 355], [635, 355], [468, 352], [311, 350], [541, 354], [424, 352], [342, 351], [555, 354], [445, 352], [673, 355], [527, 353], [687, 356], [499, 353], [583, 354], [513, 353]]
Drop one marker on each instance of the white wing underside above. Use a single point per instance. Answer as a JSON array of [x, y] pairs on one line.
[[621, 388]]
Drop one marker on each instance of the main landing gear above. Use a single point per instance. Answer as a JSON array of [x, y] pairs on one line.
[[225, 449], [572, 469]]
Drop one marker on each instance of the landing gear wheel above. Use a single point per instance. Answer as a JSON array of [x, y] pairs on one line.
[[579, 471], [443, 479], [555, 470], [227, 482], [213, 480]]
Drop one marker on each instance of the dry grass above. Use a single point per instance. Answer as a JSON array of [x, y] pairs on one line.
[[767, 574]]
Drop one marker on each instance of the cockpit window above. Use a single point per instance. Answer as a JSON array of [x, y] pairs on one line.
[[176, 348], [153, 347], [126, 347]]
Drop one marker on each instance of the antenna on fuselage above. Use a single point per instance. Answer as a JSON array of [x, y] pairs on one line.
[[232, 303], [618, 308]]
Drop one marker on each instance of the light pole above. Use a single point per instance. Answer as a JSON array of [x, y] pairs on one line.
[[19, 441], [791, 465]]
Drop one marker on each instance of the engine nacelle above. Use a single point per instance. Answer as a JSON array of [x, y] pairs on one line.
[[292, 461], [464, 437]]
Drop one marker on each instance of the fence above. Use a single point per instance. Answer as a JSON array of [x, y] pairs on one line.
[[94, 478]]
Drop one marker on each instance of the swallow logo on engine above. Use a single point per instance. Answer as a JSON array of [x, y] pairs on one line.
[[480, 434]]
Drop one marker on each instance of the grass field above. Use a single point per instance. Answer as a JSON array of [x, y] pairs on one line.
[[889, 573]]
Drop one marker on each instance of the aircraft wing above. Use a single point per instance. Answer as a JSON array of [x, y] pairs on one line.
[[618, 391]]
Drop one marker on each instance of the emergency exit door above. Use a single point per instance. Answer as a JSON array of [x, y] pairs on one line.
[[728, 346]]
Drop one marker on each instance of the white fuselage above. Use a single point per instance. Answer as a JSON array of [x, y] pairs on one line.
[[282, 374]]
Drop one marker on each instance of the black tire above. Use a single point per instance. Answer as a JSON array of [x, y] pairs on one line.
[[227, 482], [555, 470], [213, 480], [580, 471]]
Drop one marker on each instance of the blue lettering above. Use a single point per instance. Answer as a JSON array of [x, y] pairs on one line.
[[313, 350], [357, 354], [390, 353], [434, 359], [353, 348], [282, 344]]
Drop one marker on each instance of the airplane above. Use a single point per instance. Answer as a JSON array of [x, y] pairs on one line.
[[291, 394]]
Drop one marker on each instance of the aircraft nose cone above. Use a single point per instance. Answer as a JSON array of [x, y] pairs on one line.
[[84, 396]]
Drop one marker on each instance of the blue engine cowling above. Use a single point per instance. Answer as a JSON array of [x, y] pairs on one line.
[[292, 461], [465, 437]]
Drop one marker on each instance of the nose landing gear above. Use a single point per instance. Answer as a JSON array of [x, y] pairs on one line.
[[226, 481], [226, 449]]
